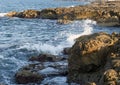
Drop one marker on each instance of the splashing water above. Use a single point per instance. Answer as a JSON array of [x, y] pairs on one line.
[[86, 25], [2, 14]]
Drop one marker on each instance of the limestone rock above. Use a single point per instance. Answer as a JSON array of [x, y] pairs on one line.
[[25, 14], [11, 14], [89, 57]]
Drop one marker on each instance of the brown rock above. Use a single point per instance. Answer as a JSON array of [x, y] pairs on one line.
[[11, 14], [26, 76], [25, 14], [48, 14], [30, 14], [88, 56], [110, 75]]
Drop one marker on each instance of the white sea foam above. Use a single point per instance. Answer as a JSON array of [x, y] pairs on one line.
[[85, 25], [48, 70], [44, 48], [87, 30], [2, 14]]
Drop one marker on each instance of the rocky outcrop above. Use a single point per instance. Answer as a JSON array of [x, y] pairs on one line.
[[41, 67], [25, 14], [26, 76], [104, 15], [90, 59]]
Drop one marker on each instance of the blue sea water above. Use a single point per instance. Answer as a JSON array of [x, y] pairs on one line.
[[22, 38]]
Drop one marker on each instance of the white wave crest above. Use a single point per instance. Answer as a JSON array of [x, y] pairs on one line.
[[2, 14], [87, 26], [44, 48]]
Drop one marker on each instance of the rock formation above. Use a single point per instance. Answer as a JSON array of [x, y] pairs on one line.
[[95, 58], [37, 71], [104, 15]]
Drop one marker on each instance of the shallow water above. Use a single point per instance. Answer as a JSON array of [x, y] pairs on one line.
[[22, 38]]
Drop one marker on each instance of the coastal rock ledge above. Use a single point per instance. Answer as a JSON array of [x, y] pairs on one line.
[[104, 15], [95, 60]]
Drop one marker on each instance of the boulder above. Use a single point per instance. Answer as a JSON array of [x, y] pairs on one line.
[[88, 57], [27, 76]]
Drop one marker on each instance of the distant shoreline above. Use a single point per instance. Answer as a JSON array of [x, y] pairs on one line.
[[107, 14]]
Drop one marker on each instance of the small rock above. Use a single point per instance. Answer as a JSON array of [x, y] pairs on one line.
[[26, 76], [110, 76]]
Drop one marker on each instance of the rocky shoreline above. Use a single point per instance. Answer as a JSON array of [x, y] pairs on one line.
[[104, 15], [93, 60]]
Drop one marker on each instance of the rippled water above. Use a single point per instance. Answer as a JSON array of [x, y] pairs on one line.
[[22, 38]]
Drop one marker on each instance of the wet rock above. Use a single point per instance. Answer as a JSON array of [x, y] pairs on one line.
[[66, 50], [90, 51], [11, 14], [105, 16], [89, 57], [26, 76], [33, 67], [48, 14], [25, 14], [46, 58]]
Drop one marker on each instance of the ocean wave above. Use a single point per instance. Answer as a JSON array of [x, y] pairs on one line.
[[86, 25], [87, 29]]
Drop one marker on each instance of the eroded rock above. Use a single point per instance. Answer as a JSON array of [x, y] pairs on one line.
[[89, 58]]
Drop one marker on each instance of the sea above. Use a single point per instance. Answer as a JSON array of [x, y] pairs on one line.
[[22, 38]]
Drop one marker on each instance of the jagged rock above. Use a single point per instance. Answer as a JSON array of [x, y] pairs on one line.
[[89, 56], [46, 57], [90, 51], [105, 16], [25, 14], [27, 76], [31, 14], [48, 14], [34, 67], [110, 77], [11, 14]]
